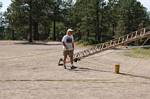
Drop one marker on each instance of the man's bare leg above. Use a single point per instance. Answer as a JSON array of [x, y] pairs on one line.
[[71, 60], [65, 57]]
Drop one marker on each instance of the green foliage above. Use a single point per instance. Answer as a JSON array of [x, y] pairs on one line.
[[60, 31], [94, 19], [116, 18], [139, 53], [43, 14], [88, 41]]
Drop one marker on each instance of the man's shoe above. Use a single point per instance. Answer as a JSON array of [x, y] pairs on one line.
[[73, 67]]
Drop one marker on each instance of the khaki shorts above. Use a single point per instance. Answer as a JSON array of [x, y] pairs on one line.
[[68, 52]]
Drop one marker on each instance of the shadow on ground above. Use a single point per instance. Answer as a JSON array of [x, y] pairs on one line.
[[137, 76], [88, 69]]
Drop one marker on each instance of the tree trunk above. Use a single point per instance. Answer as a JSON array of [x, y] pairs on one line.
[[88, 34], [36, 34], [30, 23], [54, 30], [113, 29], [13, 34], [97, 21]]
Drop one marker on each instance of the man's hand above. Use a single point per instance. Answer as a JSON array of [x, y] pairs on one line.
[[66, 47]]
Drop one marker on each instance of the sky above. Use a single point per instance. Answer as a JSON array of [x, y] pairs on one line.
[[146, 3], [6, 3]]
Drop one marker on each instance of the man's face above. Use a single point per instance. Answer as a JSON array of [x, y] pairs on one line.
[[70, 33]]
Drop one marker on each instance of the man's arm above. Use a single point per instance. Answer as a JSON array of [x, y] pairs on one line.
[[63, 41], [65, 45]]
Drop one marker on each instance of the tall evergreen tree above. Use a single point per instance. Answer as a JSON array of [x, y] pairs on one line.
[[94, 19]]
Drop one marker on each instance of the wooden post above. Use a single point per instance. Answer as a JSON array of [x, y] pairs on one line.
[[117, 68]]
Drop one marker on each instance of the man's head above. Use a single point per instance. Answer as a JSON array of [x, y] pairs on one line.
[[69, 32]]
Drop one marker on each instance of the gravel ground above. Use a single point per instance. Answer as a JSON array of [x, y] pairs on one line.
[[30, 71]]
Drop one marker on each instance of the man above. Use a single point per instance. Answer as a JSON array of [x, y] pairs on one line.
[[68, 46]]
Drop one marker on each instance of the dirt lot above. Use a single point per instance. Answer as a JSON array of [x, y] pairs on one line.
[[30, 71]]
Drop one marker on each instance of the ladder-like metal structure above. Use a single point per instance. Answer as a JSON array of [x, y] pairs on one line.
[[142, 33]]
